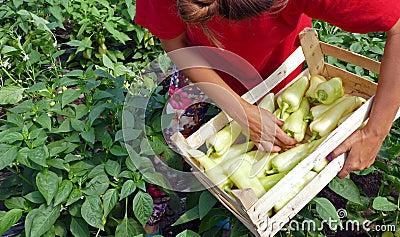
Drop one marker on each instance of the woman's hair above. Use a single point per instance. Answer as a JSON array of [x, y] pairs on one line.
[[199, 11]]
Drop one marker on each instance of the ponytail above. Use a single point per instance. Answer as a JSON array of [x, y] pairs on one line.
[[199, 11]]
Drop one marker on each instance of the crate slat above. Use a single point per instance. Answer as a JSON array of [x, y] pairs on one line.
[[353, 84], [350, 57]]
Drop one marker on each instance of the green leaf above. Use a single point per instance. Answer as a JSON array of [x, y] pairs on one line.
[[189, 215], [6, 158], [117, 150], [47, 183], [127, 189], [142, 207], [65, 126], [327, 211], [74, 73], [44, 121], [122, 37], [79, 228], [97, 171], [113, 168], [69, 96], [188, 233], [9, 219], [35, 197], [58, 163], [95, 112], [63, 192], [8, 49], [69, 158], [10, 95], [77, 125], [89, 136], [206, 203], [128, 228], [107, 62], [102, 73], [110, 200], [97, 186], [346, 188], [10, 137], [214, 217], [131, 9], [78, 43], [15, 203], [74, 196], [42, 220], [356, 47], [92, 212], [383, 204], [39, 155], [60, 229]]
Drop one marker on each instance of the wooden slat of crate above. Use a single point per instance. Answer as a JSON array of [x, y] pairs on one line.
[[353, 58]]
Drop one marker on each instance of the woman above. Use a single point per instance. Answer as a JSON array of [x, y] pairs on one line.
[[264, 32]]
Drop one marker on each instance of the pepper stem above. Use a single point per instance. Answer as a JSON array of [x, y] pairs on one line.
[[308, 118], [314, 136], [285, 106], [322, 95]]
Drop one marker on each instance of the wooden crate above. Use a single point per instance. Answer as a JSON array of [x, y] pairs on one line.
[[250, 210]]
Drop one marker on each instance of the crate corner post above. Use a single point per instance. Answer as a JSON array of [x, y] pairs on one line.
[[313, 54]]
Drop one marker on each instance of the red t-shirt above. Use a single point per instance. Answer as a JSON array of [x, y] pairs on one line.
[[267, 40]]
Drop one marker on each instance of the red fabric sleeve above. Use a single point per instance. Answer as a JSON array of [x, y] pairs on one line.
[[354, 15], [160, 17]]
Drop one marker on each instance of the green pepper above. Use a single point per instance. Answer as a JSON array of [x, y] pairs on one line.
[[234, 151], [224, 138], [240, 174], [278, 113], [268, 102], [320, 165], [318, 110], [329, 91], [296, 125], [285, 161], [314, 82], [270, 180], [290, 99], [214, 172], [329, 120], [263, 164], [297, 187]]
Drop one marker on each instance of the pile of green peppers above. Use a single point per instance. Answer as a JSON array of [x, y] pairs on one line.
[[310, 107]]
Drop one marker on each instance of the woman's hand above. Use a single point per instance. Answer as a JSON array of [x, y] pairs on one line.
[[362, 147], [264, 129]]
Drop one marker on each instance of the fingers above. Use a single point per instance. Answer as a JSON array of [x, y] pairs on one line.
[[284, 138], [342, 148], [268, 147]]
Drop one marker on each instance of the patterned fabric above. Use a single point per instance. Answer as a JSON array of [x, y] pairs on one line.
[[189, 105]]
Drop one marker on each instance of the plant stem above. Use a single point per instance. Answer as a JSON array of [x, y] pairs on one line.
[[19, 175], [98, 232], [8, 74]]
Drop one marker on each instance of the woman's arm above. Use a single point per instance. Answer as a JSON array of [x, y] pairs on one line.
[[262, 126], [364, 144]]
